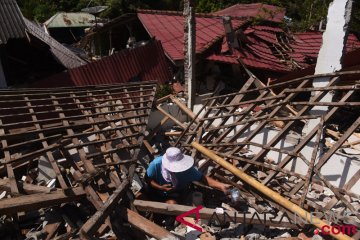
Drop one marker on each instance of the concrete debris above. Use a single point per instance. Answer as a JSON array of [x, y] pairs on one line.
[[109, 161]]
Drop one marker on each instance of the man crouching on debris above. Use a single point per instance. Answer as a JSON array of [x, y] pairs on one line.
[[169, 176]]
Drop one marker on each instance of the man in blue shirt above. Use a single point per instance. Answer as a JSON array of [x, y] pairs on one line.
[[170, 174]]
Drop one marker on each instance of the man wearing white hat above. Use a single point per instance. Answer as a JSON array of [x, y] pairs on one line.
[[170, 174]]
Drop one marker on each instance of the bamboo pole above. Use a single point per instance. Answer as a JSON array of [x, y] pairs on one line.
[[276, 197]]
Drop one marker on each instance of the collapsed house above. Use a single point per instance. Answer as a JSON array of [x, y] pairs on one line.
[[81, 148], [73, 155], [243, 35], [69, 27], [262, 134], [61, 159], [224, 38], [144, 63], [27, 53]]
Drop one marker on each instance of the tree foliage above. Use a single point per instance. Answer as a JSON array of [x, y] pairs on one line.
[[303, 13]]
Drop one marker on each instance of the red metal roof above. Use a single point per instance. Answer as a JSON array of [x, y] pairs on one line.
[[262, 49], [307, 46], [168, 28], [144, 63], [268, 12], [231, 59]]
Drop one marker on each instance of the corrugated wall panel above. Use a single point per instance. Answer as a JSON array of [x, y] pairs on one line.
[[11, 21]]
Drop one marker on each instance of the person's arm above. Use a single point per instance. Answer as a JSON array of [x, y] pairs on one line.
[[216, 184], [154, 184]]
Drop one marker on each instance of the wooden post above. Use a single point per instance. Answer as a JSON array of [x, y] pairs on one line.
[[189, 50]]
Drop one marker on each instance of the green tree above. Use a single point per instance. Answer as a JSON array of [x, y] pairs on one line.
[[304, 13]]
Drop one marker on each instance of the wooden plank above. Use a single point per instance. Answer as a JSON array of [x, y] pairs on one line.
[[312, 163], [28, 188], [147, 226], [354, 179], [302, 143], [9, 169], [184, 108], [40, 200], [182, 125], [93, 223], [45, 144], [208, 213], [149, 147], [87, 164]]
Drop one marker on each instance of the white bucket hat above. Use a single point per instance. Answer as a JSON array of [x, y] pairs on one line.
[[175, 161]]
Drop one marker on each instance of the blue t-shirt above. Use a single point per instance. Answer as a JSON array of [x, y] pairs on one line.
[[183, 178]]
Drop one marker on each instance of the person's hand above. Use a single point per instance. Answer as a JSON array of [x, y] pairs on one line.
[[225, 188], [167, 187]]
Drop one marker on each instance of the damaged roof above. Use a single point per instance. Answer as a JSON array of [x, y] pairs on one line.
[[64, 55], [270, 48], [11, 21], [14, 25], [168, 27], [307, 45], [145, 63], [254, 10], [63, 20]]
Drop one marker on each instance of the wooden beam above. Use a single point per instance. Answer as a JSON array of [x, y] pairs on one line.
[[93, 223], [184, 108], [182, 125], [275, 196], [149, 147], [208, 213], [40, 200], [146, 226], [28, 188]]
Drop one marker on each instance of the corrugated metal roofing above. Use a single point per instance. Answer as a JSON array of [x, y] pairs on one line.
[[268, 12], [64, 55], [63, 19], [144, 63], [260, 48], [307, 45], [11, 21], [168, 28]]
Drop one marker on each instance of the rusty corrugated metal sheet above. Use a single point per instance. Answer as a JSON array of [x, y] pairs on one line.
[[11, 21], [70, 19], [64, 55], [145, 63], [265, 11], [168, 28]]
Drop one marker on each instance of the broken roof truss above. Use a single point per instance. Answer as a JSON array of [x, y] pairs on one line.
[[87, 138], [259, 130]]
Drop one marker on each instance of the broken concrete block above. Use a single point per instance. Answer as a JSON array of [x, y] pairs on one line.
[[317, 188], [261, 175]]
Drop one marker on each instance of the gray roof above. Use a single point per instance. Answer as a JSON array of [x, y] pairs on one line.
[[11, 21], [14, 25], [70, 19], [64, 55]]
